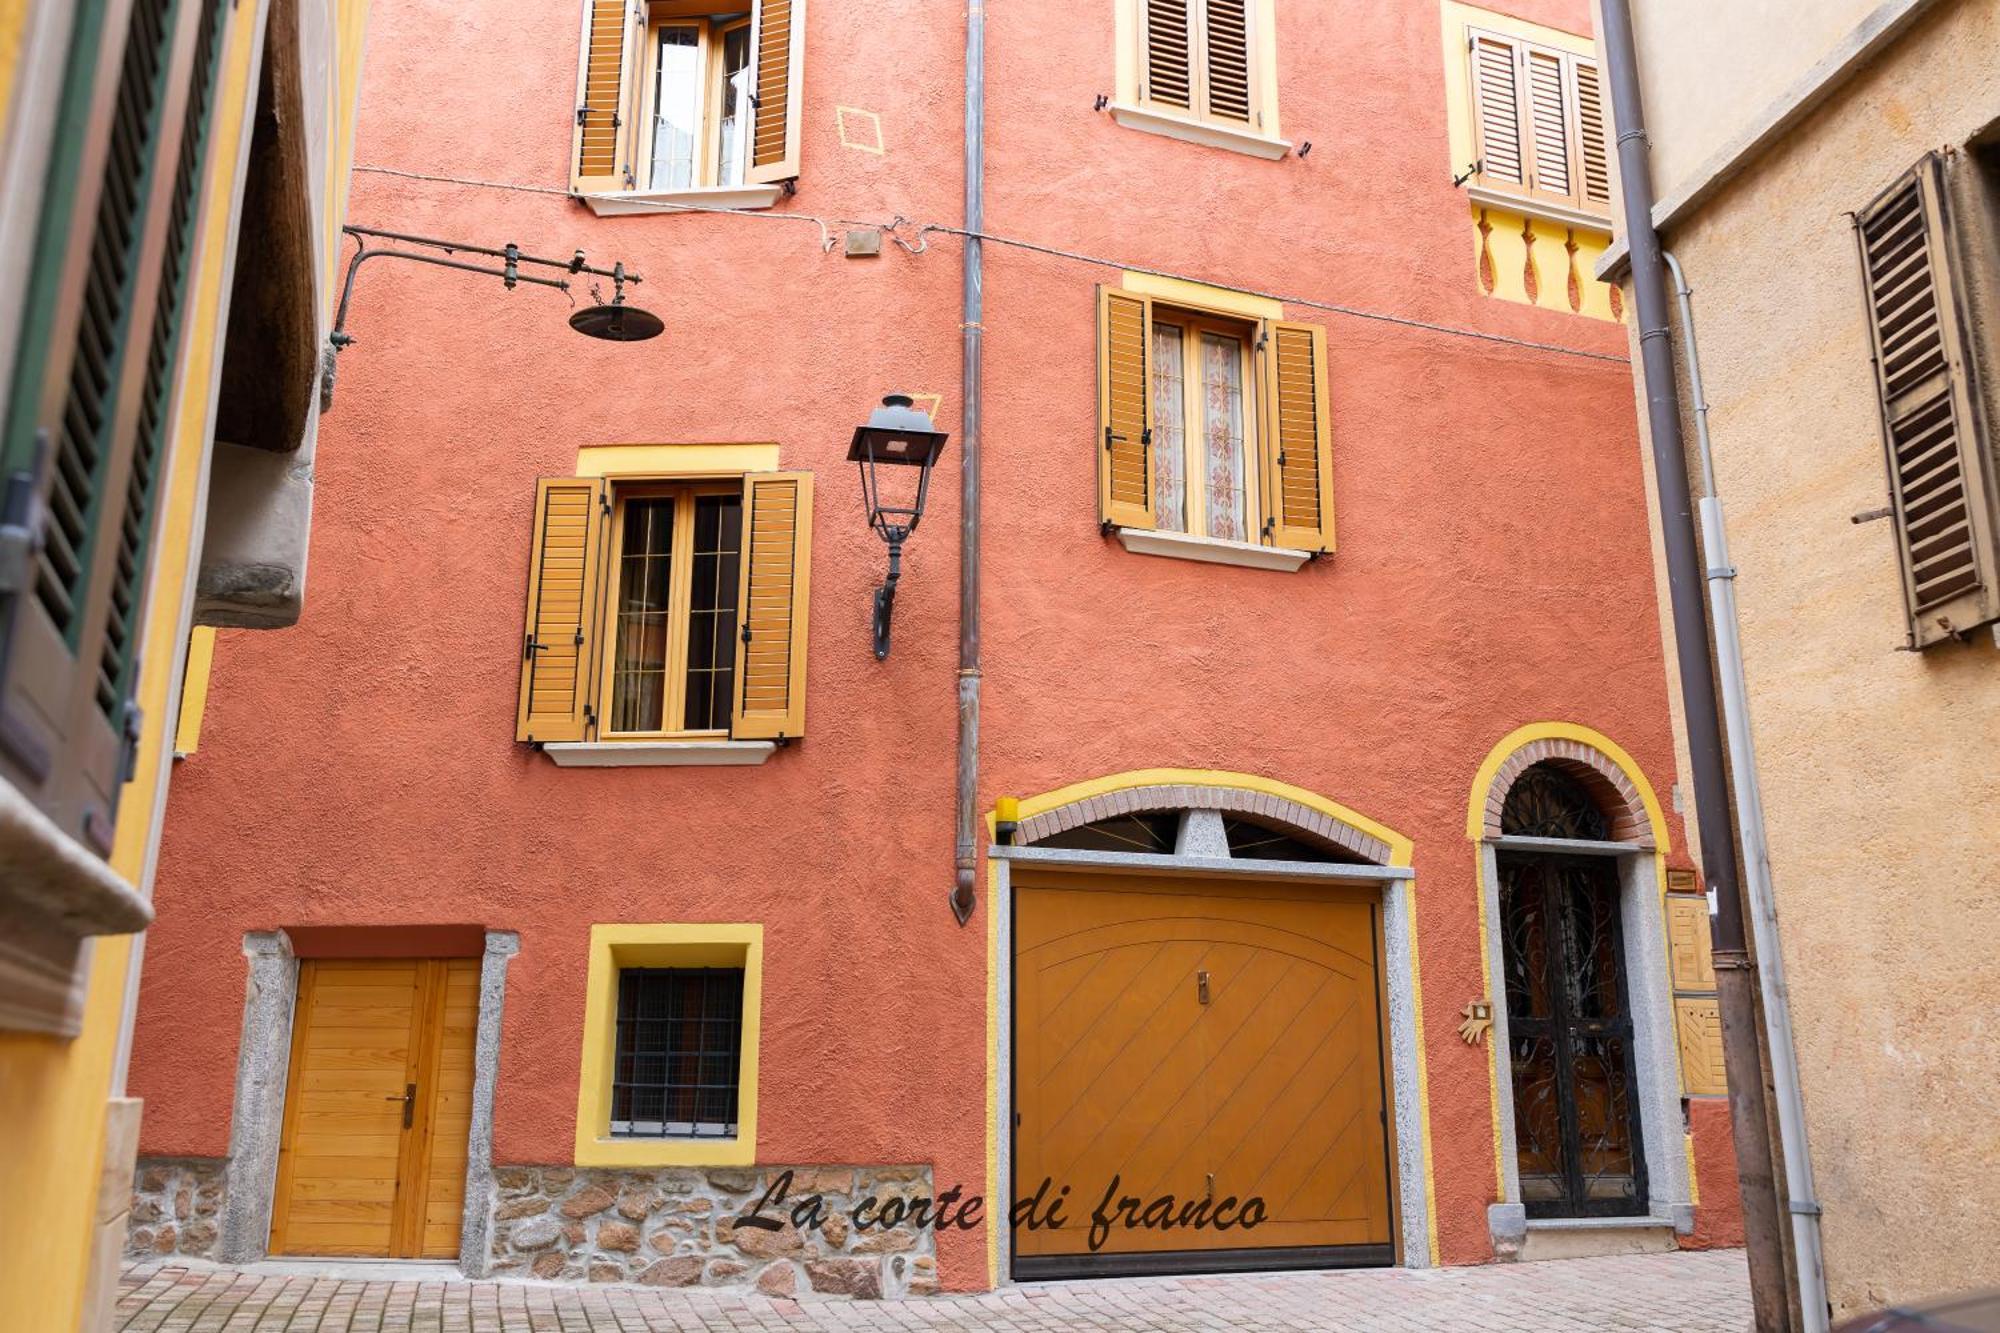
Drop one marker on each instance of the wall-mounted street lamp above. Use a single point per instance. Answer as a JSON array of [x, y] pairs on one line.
[[615, 322], [897, 434]]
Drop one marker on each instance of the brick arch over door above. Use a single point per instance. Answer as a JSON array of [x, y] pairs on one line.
[[1289, 815], [1624, 809]]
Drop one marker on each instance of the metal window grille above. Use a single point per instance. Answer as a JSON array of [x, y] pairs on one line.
[[677, 1060]]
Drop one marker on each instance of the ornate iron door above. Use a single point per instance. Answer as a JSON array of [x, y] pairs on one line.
[[1569, 1028]]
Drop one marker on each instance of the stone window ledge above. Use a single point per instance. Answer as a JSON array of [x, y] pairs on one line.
[[1544, 209], [1199, 131], [53, 894], [1210, 550], [624, 203], [657, 754]]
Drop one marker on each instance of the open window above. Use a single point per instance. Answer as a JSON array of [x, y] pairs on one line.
[[678, 97], [1213, 426], [667, 610]]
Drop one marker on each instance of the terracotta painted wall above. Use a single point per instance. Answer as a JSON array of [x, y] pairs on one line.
[[360, 769]]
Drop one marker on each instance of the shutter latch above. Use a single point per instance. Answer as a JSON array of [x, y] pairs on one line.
[[21, 516]]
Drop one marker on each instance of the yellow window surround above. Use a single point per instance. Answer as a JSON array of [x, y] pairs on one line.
[[614, 947], [675, 460]]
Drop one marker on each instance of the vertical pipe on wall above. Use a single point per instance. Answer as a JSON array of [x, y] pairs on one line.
[[1802, 1205], [966, 861], [1735, 988]]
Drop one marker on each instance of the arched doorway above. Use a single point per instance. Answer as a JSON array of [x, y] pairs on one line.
[[1571, 1058]]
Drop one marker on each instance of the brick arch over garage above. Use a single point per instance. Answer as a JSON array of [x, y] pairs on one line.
[[1611, 777], [1294, 816]]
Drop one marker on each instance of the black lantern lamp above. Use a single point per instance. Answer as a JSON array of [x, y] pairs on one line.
[[896, 434]]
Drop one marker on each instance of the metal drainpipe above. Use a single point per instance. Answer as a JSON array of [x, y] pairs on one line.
[[1736, 994], [963, 897], [1791, 1110]]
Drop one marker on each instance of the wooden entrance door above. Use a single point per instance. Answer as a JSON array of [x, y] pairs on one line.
[[1201, 1041], [378, 1105]]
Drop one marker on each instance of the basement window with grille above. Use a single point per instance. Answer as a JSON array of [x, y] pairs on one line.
[[679, 1044]]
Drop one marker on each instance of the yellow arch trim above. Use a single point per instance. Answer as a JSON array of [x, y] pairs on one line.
[[1475, 829], [1401, 852], [1401, 849], [1475, 814]]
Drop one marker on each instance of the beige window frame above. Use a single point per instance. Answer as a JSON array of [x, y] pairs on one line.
[[1193, 323], [680, 606], [711, 36]]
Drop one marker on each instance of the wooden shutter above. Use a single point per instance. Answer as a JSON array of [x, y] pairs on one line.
[[1169, 53], [1497, 109], [775, 595], [1124, 409], [1688, 947], [778, 55], [1297, 440], [1698, 1029], [1941, 482], [1548, 122], [559, 649], [613, 38], [84, 368], [1593, 147], [1226, 59]]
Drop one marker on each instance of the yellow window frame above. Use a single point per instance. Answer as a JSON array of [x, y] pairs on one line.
[[679, 605], [616, 947], [710, 36], [1193, 322]]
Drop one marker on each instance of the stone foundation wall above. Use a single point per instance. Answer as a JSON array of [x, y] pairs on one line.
[[672, 1227], [175, 1202]]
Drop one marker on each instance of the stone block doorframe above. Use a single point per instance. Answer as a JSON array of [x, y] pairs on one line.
[[257, 1116]]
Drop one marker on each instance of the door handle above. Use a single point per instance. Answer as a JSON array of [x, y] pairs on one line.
[[1201, 986], [408, 1097]]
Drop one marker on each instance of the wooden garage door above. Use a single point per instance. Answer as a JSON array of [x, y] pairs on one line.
[[1199, 1040], [378, 1105]]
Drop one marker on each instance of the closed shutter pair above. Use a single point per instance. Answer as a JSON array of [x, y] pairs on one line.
[[571, 574], [86, 438], [1197, 57], [1934, 369], [1539, 116], [1294, 435], [613, 53]]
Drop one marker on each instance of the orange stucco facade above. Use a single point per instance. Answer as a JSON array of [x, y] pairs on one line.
[[1492, 569]]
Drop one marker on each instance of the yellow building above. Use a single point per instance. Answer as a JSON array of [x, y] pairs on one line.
[[174, 180]]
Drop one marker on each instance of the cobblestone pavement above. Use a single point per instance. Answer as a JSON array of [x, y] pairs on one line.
[[1674, 1293]]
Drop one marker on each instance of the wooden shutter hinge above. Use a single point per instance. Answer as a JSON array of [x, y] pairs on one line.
[[128, 741], [529, 647], [21, 518]]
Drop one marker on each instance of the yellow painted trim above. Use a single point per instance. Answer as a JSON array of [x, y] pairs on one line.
[[1475, 829], [194, 689], [675, 460], [664, 945], [995, 1215], [1401, 852], [1201, 296]]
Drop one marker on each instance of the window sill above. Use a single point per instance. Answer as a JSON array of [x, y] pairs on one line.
[[1199, 131], [623, 203], [53, 894], [1544, 209], [629, 1152], [1210, 550], [658, 754]]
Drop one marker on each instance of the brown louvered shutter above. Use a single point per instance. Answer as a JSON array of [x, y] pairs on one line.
[[1226, 59], [1124, 409], [1593, 148], [613, 31], [1941, 481], [1169, 53], [559, 646], [775, 596], [779, 59], [1548, 125], [1297, 442], [1497, 109]]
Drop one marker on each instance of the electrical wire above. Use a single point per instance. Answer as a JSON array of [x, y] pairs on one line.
[[893, 227]]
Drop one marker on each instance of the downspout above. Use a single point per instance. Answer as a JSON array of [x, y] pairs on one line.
[[1791, 1110], [966, 863], [1736, 995]]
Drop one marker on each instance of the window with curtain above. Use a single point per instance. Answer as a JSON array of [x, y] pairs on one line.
[[677, 1063], [1202, 469], [698, 89], [673, 658]]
